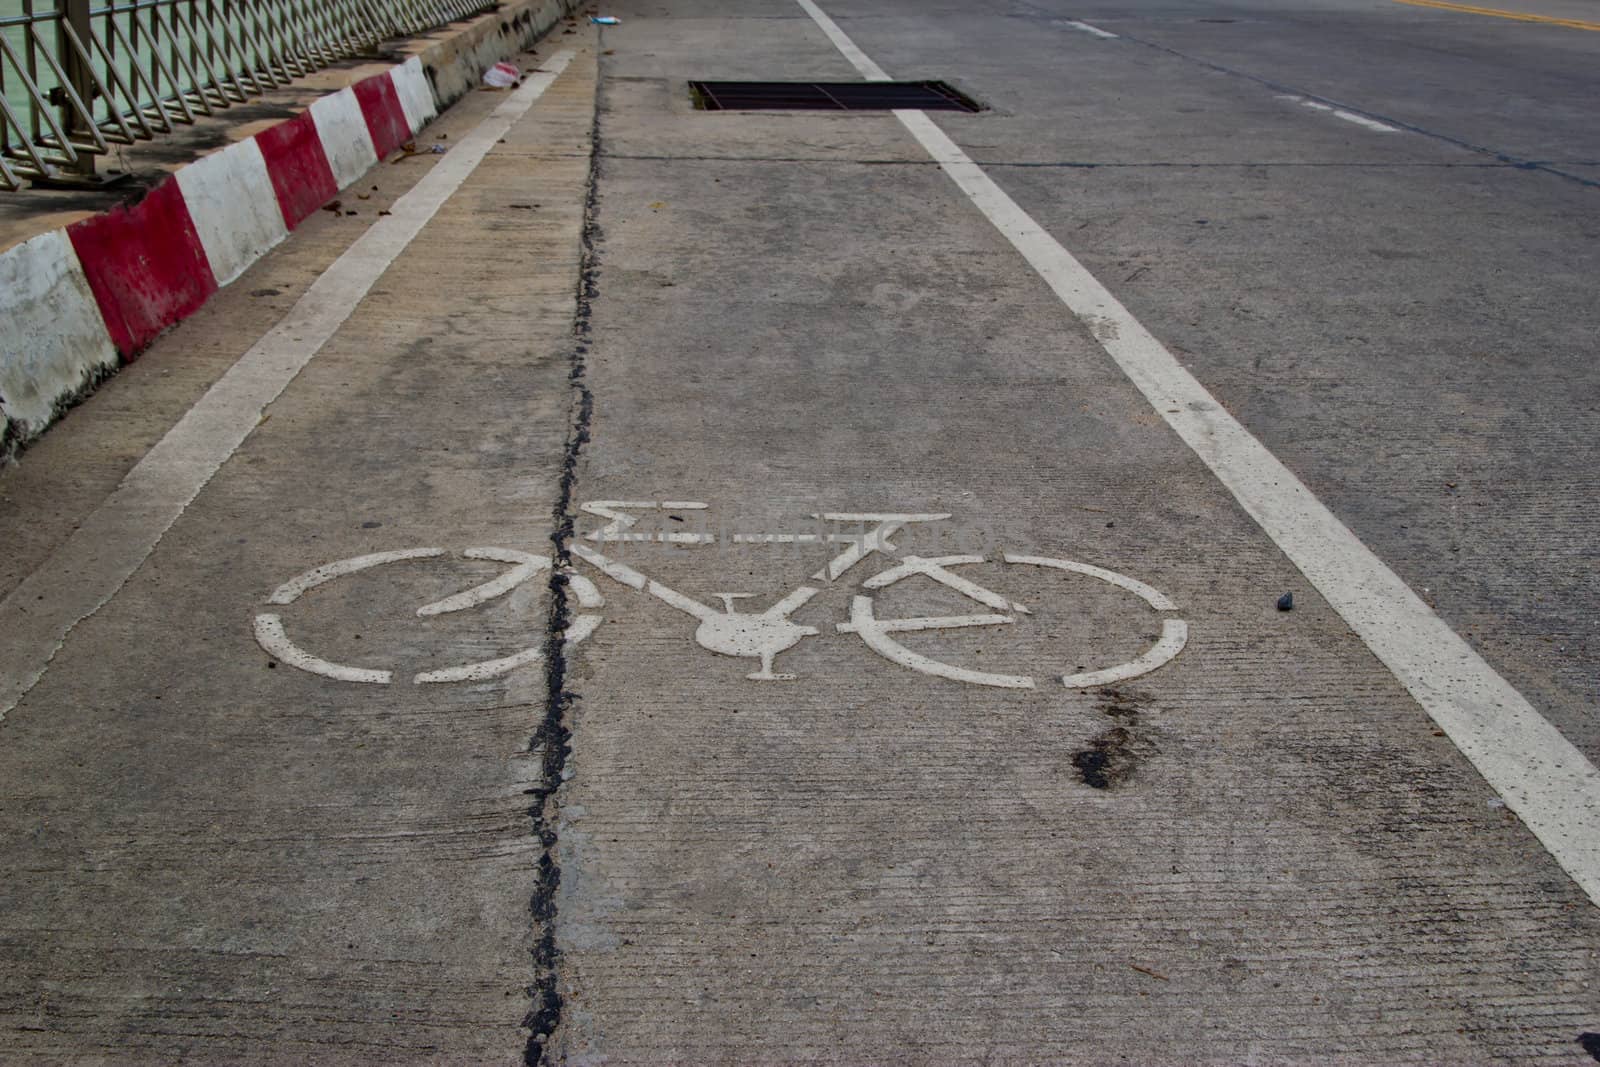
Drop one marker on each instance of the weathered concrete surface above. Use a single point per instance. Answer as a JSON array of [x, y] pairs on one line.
[[212, 857], [1262, 852]]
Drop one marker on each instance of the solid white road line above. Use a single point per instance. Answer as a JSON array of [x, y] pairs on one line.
[[1542, 777], [858, 59], [1086, 28], [89, 568]]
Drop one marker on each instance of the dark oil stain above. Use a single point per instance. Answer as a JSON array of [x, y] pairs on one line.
[[1112, 756], [1121, 704], [1104, 763]]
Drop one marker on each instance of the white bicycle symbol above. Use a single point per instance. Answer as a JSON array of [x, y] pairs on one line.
[[729, 632]]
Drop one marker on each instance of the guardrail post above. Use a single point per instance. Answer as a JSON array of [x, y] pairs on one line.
[[76, 14]]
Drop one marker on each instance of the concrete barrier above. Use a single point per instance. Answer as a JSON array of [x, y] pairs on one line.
[[77, 303], [56, 347], [455, 64]]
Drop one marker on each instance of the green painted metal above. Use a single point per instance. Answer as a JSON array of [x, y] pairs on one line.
[[80, 77]]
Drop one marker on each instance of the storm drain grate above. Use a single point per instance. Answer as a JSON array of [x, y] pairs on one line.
[[830, 96]]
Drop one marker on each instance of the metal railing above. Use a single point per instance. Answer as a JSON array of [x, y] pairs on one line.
[[76, 80]]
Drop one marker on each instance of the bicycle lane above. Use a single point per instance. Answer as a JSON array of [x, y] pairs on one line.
[[1261, 851], [212, 856]]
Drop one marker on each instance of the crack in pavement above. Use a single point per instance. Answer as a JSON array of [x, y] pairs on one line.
[[552, 739]]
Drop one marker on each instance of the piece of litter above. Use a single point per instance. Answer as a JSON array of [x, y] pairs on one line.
[[438, 149], [605, 20], [1496, 802], [1286, 602], [502, 76], [1152, 974]]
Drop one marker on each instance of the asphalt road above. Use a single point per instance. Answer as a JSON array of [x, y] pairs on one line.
[[1237, 834]]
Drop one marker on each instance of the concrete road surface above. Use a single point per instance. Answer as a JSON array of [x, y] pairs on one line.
[[747, 587]]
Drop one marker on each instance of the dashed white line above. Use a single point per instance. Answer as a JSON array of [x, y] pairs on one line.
[[1096, 30], [1539, 773], [1338, 112], [1351, 116]]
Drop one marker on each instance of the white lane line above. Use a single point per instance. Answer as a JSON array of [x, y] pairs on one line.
[[88, 569], [1349, 116], [1086, 28], [858, 59], [1538, 772]]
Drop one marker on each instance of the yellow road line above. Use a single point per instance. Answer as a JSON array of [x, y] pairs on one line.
[[1573, 24]]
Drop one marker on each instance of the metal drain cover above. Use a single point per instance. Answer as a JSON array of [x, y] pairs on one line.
[[830, 96]]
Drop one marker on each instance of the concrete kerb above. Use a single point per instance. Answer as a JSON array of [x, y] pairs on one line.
[[79, 301]]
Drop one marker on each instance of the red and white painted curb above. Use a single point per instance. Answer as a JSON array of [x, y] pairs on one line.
[[75, 303]]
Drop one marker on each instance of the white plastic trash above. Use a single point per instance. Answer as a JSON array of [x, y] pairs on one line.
[[605, 20], [502, 76]]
